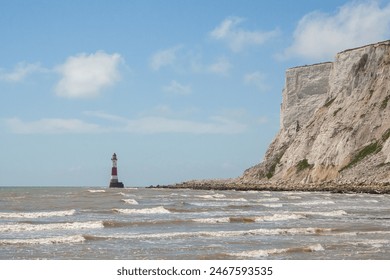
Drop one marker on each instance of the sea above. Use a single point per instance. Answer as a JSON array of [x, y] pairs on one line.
[[73, 223]]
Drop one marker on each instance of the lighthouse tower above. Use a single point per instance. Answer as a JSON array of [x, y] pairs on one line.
[[114, 174]]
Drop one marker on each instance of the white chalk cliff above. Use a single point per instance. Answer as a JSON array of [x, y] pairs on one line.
[[335, 122]]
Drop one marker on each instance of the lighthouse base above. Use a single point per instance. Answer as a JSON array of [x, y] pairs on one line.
[[116, 185]]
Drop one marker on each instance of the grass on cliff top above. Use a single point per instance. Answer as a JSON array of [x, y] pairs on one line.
[[372, 148]]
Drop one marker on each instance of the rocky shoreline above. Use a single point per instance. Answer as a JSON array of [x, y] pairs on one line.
[[333, 187]]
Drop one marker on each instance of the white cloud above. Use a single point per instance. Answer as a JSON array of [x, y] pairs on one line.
[[320, 36], [153, 125], [237, 38], [51, 126], [84, 76], [256, 79], [105, 116], [262, 120], [176, 88], [117, 124], [188, 60], [163, 58], [21, 71], [222, 66]]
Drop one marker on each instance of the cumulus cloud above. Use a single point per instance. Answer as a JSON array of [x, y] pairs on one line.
[[319, 36], [51, 126], [256, 79], [85, 75], [176, 88], [237, 38], [21, 71], [163, 58]]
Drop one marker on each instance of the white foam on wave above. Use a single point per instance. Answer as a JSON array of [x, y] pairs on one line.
[[241, 199], [212, 220], [275, 217], [155, 210], [207, 196], [280, 217], [266, 253], [219, 195], [371, 201], [44, 241], [272, 205], [34, 215], [97, 191], [336, 213], [224, 234], [54, 226], [376, 243], [269, 199], [315, 202], [294, 197], [130, 201]]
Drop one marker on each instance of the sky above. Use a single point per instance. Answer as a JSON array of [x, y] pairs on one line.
[[179, 89]]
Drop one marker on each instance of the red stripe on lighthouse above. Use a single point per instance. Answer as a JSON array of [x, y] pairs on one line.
[[114, 171]]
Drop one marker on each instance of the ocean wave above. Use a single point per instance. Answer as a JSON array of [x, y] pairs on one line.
[[336, 213], [162, 222], [315, 202], [155, 210], [371, 201], [272, 205], [44, 241], [97, 191], [376, 243], [211, 196], [221, 197], [130, 201], [224, 234], [212, 220], [54, 226], [241, 199], [294, 197], [268, 199], [267, 252], [275, 217], [34, 215], [280, 217]]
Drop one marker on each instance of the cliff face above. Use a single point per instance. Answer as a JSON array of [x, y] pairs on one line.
[[335, 122]]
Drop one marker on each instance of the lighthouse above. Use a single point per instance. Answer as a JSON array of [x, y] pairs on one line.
[[114, 174]]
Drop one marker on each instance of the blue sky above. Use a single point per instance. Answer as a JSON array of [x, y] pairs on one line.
[[178, 89]]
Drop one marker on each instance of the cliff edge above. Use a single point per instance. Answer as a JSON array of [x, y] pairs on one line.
[[335, 122]]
